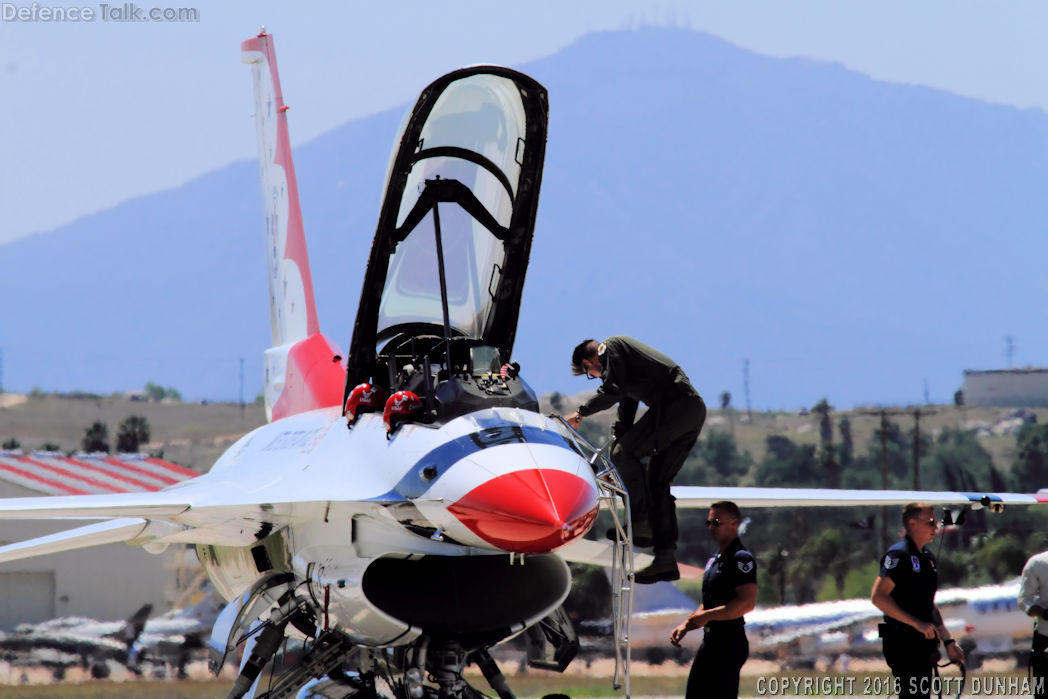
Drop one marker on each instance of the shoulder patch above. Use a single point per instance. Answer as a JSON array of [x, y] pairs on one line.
[[890, 562], [916, 563]]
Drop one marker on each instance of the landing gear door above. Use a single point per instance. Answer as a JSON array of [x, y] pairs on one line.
[[552, 643]]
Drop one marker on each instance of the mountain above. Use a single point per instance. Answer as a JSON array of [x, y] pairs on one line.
[[853, 239]]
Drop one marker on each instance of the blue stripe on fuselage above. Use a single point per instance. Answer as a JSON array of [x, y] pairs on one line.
[[413, 485]]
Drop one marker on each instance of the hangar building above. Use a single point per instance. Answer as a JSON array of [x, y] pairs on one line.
[[1007, 388]]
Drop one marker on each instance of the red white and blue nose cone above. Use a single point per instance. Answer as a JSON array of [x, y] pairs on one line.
[[533, 510]]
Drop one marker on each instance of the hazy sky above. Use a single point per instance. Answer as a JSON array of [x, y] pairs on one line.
[[96, 112]]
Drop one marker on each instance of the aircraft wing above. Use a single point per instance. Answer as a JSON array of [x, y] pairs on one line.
[[704, 496], [809, 631], [144, 505]]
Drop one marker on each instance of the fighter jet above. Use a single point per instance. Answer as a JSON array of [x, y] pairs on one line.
[[139, 643], [408, 507]]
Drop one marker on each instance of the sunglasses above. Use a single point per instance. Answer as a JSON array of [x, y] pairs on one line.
[[715, 522], [933, 523]]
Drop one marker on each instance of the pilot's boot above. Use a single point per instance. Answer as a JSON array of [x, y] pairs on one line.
[[664, 567]]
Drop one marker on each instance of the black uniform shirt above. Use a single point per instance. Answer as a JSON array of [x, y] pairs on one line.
[[916, 580], [725, 572]]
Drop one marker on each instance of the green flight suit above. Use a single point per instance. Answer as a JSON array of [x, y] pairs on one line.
[[632, 372]]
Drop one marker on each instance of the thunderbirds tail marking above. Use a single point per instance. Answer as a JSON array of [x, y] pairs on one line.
[[302, 369]]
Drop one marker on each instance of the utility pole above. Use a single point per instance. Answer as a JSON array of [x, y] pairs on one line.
[[1009, 349], [884, 413], [916, 449], [917, 412], [883, 432], [746, 387], [241, 387], [884, 475], [1, 370]]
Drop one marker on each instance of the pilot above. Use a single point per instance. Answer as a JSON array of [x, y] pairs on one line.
[[905, 591], [1033, 599], [631, 372], [729, 590]]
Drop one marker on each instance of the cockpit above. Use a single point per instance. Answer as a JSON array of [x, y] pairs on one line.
[[441, 295]]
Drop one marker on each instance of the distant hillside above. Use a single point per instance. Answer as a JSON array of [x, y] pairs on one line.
[[852, 239], [189, 434]]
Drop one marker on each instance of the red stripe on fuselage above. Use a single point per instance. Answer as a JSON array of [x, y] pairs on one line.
[[312, 378]]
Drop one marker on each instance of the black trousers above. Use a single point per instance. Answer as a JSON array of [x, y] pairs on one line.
[[715, 670], [1039, 665], [912, 659], [671, 429]]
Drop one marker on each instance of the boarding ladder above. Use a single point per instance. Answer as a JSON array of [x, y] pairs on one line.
[[613, 496]]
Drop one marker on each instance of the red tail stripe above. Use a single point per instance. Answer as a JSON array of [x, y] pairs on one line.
[[115, 475], [71, 474], [40, 479]]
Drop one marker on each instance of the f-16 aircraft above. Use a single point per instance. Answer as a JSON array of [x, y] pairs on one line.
[[407, 507], [138, 643], [985, 619]]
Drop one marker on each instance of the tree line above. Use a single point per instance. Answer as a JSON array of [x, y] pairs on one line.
[[131, 435], [824, 553]]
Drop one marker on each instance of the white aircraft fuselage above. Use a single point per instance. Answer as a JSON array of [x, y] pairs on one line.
[[424, 492]]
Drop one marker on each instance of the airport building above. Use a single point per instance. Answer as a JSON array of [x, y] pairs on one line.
[[1007, 388], [104, 582]]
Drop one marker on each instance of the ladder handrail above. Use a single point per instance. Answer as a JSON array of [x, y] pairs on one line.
[[614, 495]]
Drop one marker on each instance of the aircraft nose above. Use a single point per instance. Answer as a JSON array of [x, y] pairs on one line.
[[529, 511]]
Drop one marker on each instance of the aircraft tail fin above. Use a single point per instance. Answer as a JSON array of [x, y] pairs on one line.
[[293, 313], [302, 367]]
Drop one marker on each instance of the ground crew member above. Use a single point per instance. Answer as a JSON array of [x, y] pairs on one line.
[[1033, 599], [630, 372], [729, 590], [905, 591]]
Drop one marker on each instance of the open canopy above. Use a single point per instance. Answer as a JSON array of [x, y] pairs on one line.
[[454, 233]]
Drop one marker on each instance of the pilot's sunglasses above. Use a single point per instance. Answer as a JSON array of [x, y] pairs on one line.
[[715, 522], [933, 522]]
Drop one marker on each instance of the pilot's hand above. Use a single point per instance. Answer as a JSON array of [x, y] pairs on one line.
[[955, 653], [574, 419], [926, 628]]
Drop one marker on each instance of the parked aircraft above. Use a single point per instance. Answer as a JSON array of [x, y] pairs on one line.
[[409, 507], [139, 643], [985, 619]]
